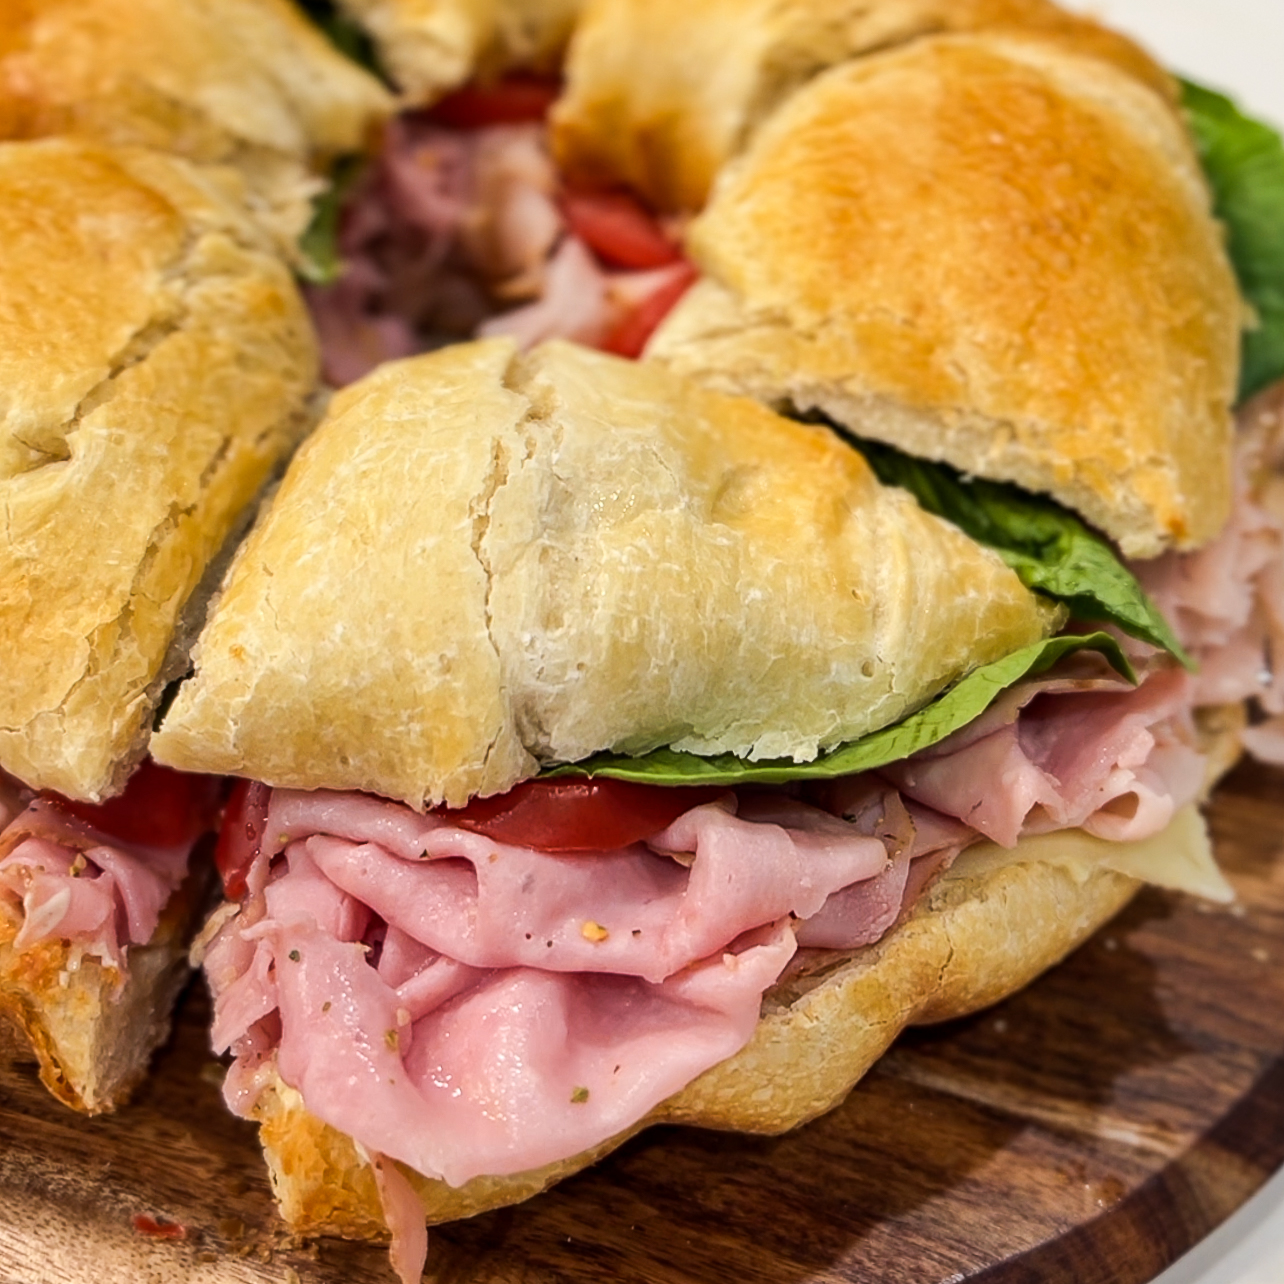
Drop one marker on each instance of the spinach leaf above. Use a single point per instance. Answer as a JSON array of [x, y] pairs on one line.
[[966, 700], [1049, 548], [319, 260], [1244, 162]]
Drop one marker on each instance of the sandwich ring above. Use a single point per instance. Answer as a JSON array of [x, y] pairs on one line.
[[974, 239]]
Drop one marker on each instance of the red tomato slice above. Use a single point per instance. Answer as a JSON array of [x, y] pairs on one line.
[[241, 837], [629, 336], [515, 100], [618, 230], [576, 815], [159, 808]]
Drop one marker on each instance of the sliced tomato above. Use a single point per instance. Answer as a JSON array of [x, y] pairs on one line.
[[515, 100], [619, 230], [579, 815], [159, 808], [629, 336], [241, 838]]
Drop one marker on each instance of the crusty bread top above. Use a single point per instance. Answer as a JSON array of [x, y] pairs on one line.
[[992, 252], [155, 361], [432, 46], [661, 94], [244, 82], [481, 562]]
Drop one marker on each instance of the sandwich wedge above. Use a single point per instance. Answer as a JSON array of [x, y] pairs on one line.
[[491, 585], [157, 367]]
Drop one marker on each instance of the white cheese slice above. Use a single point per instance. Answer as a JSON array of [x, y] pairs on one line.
[[1180, 858]]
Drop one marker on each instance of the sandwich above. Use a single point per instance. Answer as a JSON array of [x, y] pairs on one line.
[[584, 717], [556, 613], [249, 85], [158, 367]]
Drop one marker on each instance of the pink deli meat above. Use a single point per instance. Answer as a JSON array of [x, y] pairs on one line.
[[1051, 755], [69, 881], [1226, 602], [452, 234]]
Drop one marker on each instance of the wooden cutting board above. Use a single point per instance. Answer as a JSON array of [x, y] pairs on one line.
[[1089, 1130]]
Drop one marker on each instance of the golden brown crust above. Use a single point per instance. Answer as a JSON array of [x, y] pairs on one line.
[[715, 70], [91, 1030], [156, 360], [539, 559], [432, 46], [249, 83], [971, 942], [990, 252]]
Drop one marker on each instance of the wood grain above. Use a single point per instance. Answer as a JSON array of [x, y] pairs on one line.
[[1089, 1130]]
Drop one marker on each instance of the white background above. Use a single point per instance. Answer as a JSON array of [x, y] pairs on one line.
[[1236, 46]]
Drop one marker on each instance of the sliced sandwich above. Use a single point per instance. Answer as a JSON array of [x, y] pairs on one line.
[[158, 366], [616, 751]]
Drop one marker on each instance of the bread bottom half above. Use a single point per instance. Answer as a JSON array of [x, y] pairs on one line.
[[93, 1031]]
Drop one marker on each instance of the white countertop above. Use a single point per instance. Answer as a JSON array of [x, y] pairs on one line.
[[1236, 46], [1248, 1249]]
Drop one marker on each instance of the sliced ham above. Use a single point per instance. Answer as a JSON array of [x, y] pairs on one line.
[[455, 233], [70, 881], [1226, 601], [572, 304], [1066, 759], [509, 1074]]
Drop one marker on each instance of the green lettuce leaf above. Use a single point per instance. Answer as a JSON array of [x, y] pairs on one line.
[[319, 260], [1050, 549], [966, 700], [1244, 162]]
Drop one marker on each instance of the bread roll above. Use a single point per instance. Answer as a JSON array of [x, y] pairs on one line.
[[156, 364], [482, 563], [249, 83], [432, 46], [661, 94], [991, 252]]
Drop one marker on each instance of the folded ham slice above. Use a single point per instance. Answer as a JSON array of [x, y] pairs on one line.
[[1226, 601], [67, 878]]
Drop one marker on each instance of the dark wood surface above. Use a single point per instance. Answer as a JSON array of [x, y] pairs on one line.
[[1089, 1130]]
